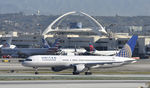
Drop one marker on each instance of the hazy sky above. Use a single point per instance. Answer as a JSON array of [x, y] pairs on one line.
[[92, 7]]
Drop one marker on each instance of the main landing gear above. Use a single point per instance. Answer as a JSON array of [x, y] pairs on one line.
[[36, 70], [77, 73], [88, 72]]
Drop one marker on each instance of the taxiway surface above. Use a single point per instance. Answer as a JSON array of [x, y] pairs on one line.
[[75, 84]]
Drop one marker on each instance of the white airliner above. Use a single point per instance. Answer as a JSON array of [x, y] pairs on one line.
[[23, 52], [7, 44], [82, 63], [93, 51], [71, 51]]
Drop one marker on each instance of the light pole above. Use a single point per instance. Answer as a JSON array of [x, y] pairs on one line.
[[40, 32]]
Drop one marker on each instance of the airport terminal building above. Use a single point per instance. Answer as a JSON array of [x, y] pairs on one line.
[[74, 34]]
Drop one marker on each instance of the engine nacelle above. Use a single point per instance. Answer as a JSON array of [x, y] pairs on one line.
[[79, 68], [58, 69]]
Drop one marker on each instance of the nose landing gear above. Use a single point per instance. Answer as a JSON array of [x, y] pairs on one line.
[[36, 70]]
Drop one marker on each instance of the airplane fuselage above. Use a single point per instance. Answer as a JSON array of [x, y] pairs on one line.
[[103, 53], [53, 60], [28, 51]]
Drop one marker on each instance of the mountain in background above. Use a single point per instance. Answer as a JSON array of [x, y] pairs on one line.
[[92, 7]]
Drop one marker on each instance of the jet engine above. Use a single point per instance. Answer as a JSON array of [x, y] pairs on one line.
[[58, 69], [79, 68]]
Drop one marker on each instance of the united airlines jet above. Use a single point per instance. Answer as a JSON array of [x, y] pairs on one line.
[[93, 51], [82, 63]]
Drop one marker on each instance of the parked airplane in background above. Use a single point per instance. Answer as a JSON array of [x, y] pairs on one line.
[[25, 52], [93, 51], [45, 44], [82, 63], [7, 44], [46, 50], [71, 51]]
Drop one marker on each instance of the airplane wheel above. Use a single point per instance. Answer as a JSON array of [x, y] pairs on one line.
[[36, 73], [76, 73], [36, 70], [88, 73]]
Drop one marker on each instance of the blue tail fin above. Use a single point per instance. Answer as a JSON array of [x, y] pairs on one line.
[[45, 44], [6, 45], [8, 42], [54, 47], [56, 43], [128, 49]]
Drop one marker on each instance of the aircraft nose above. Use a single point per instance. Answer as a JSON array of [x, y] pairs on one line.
[[24, 63]]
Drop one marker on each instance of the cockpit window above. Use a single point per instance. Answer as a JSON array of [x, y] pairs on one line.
[[28, 59]]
